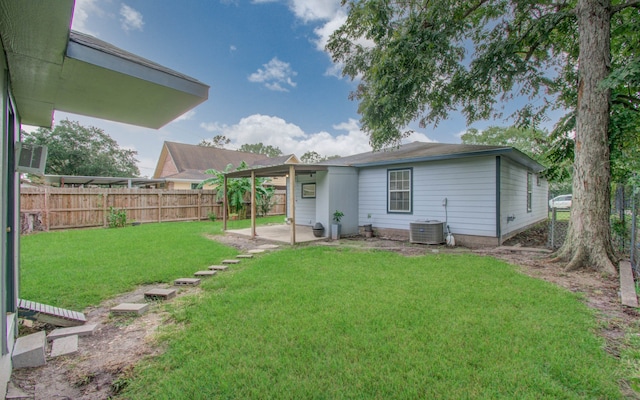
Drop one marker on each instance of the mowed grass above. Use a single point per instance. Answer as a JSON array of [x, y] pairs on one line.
[[332, 323], [78, 268]]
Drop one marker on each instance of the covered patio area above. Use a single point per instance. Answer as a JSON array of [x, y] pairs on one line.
[[290, 232], [278, 233]]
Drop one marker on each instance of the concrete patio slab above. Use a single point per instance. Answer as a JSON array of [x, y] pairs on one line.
[[65, 345], [279, 233]]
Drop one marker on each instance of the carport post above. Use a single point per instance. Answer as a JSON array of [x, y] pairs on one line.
[[292, 202], [253, 204], [224, 204]]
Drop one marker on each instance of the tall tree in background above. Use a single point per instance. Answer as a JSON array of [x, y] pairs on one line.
[[259, 148], [218, 141], [83, 151], [413, 62], [532, 142]]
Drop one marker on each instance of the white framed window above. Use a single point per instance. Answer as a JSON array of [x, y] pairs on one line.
[[399, 190]]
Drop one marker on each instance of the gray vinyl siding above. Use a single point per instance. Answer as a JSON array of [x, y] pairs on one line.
[[468, 185], [305, 207], [513, 193]]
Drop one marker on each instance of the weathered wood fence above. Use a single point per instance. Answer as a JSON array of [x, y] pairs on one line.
[[50, 208]]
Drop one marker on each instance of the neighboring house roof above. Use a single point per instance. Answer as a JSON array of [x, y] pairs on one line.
[[282, 160], [53, 68], [421, 151], [189, 162], [99, 180]]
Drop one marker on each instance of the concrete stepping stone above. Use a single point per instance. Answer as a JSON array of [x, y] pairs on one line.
[[627, 285], [187, 282], [230, 261], [268, 246], [205, 273], [218, 267], [64, 345], [130, 308], [244, 256], [28, 351], [15, 393], [160, 294], [256, 251], [82, 330]]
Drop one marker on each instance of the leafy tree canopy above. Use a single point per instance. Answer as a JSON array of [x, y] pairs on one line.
[[532, 142], [311, 157], [85, 151], [259, 148]]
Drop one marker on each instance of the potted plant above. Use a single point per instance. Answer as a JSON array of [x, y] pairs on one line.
[[335, 227]]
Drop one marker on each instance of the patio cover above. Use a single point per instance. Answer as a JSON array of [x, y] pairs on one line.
[[270, 172]]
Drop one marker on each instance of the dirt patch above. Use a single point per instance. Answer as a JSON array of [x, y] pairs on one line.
[[105, 360]]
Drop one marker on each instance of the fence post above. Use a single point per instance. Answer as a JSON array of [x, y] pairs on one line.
[[46, 208], [553, 227], [159, 206], [199, 206]]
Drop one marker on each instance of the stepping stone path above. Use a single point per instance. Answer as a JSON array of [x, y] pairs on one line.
[[268, 246], [205, 273], [244, 256], [130, 308], [160, 294], [218, 267], [187, 282], [230, 261], [256, 251]]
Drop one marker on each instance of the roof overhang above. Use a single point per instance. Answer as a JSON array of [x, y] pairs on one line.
[[52, 68], [276, 170]]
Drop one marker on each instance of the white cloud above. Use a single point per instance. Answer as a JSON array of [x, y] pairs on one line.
[[83, 10], [232, 48], [275, 74], [290, 138], [131, 18], [186, 116]]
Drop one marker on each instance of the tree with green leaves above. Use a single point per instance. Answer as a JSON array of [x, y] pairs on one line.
[[421, 60], [74, 149], [218, 141], [530, 141], [259, 148], [239, 190]]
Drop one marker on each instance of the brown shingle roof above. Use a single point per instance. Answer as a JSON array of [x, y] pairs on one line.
[[201, 158]]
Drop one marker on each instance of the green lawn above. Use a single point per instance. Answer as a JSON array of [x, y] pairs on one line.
[[82, 267], [332, 323]]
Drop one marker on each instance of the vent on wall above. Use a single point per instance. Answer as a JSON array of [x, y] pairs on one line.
[[30, 158], [426, 232]]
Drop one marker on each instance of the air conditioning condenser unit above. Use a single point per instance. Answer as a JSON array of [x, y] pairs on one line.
[[426, 232]]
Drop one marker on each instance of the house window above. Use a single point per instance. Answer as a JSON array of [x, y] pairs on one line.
[[529, 191], [308, 190], [399, 190], [194, 186]]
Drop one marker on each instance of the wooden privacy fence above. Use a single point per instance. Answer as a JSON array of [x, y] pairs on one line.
[[49, 208]]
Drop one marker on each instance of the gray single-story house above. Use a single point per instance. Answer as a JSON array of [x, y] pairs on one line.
[[44, 66], [484, 194]]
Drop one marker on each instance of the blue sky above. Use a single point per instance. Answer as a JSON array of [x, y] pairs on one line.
[[271, 80]]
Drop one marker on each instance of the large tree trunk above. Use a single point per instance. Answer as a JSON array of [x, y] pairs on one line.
[[588, 243]]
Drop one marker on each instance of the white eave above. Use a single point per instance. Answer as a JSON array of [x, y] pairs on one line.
[[52, 68]]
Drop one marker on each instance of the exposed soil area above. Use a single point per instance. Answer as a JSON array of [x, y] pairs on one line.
[[105, 360]]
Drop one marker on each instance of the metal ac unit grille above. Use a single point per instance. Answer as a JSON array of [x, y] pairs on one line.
[[427, 232]]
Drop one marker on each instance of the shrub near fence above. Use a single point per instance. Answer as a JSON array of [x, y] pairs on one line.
[[50, 208]]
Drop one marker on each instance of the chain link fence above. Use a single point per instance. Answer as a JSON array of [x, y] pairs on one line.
[[624, 224]]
